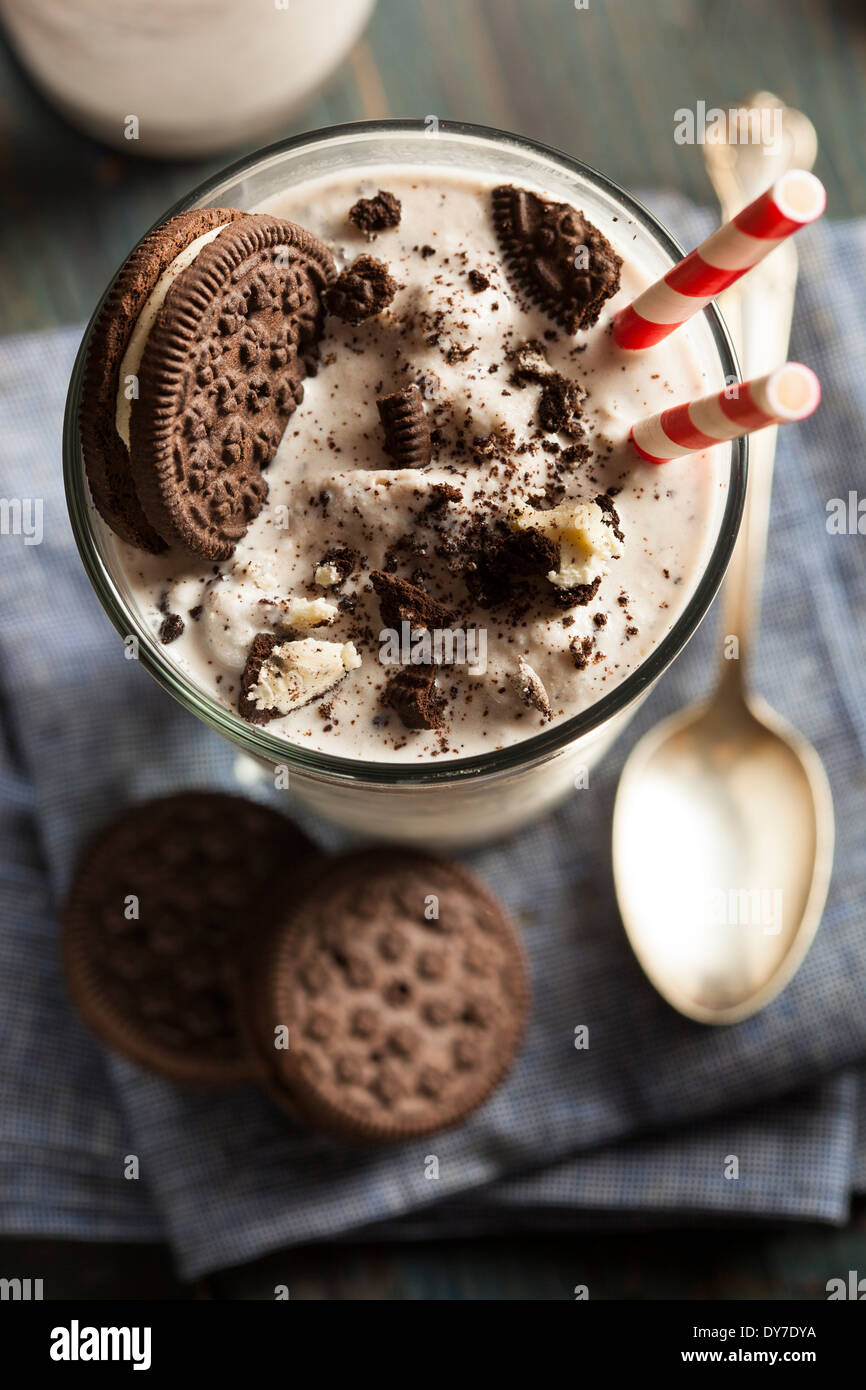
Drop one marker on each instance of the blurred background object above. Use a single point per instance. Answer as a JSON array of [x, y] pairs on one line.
[[181, 78]]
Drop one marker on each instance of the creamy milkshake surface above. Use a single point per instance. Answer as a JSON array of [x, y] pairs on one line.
[[516, 445]]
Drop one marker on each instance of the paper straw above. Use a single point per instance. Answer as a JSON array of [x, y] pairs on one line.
[[793, 201], [791, 392]]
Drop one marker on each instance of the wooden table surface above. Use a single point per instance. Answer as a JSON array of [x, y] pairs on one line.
[[602, 83]]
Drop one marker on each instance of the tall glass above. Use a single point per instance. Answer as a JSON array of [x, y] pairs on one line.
[[465, 800]]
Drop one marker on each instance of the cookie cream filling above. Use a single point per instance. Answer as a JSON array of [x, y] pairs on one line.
[[144, 323]]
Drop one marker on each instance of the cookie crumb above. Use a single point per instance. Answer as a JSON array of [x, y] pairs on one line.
[[362, 291], [377, 214], [171, 628], [416, 697], [581, 650]]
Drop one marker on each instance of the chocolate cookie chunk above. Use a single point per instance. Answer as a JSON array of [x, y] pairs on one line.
[[221, 373], [610, 514], [362, 291], [412, 691], [581, 649], [106, 454], [407, 429], [560, 407], [262, 645], [402, 986], [402, 602], [338, 563], [529, 363], [158, 905], [372, 215], [171, 628], [555, 256], [498, 562], [578, 596]]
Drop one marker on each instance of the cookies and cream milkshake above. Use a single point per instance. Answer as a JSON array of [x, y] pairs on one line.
[[456, 546]]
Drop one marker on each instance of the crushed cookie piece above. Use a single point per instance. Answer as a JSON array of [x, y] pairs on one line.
[[455, 353], [581, 650], [377, 214], [170, 628], [529, 363], [576, 453], [529, 688], [335, 567], [610, 516], [362, 291], [496, 559], [416, 697], [560, 408], [433, 513], [406, 427], [584, 545], [402, 602], [282, 676]]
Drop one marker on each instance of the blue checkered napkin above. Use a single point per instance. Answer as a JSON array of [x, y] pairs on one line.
[[635, 1124]]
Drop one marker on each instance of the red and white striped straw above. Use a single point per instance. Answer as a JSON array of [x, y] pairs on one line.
[[793, 201], [791, 392]]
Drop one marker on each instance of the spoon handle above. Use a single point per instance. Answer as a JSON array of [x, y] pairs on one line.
[[758, 312], [765, 312]]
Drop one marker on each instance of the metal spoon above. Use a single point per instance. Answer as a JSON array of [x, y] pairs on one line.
[[723, 826]]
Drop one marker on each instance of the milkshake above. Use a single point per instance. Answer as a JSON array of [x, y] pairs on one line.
[[459, 553]]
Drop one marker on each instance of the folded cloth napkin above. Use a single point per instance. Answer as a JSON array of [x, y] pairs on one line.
[[639, 1124]]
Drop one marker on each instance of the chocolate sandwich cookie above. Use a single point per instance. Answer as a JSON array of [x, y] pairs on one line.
[[402, 985], [106, 454], [221, 367], [159, 906]]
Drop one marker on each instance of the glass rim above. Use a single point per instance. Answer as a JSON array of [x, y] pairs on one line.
[[257, 741]]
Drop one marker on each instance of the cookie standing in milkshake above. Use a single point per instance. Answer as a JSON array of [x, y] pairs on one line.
[[196, 364]]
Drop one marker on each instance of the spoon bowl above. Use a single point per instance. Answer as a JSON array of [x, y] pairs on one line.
[[722, 850]]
